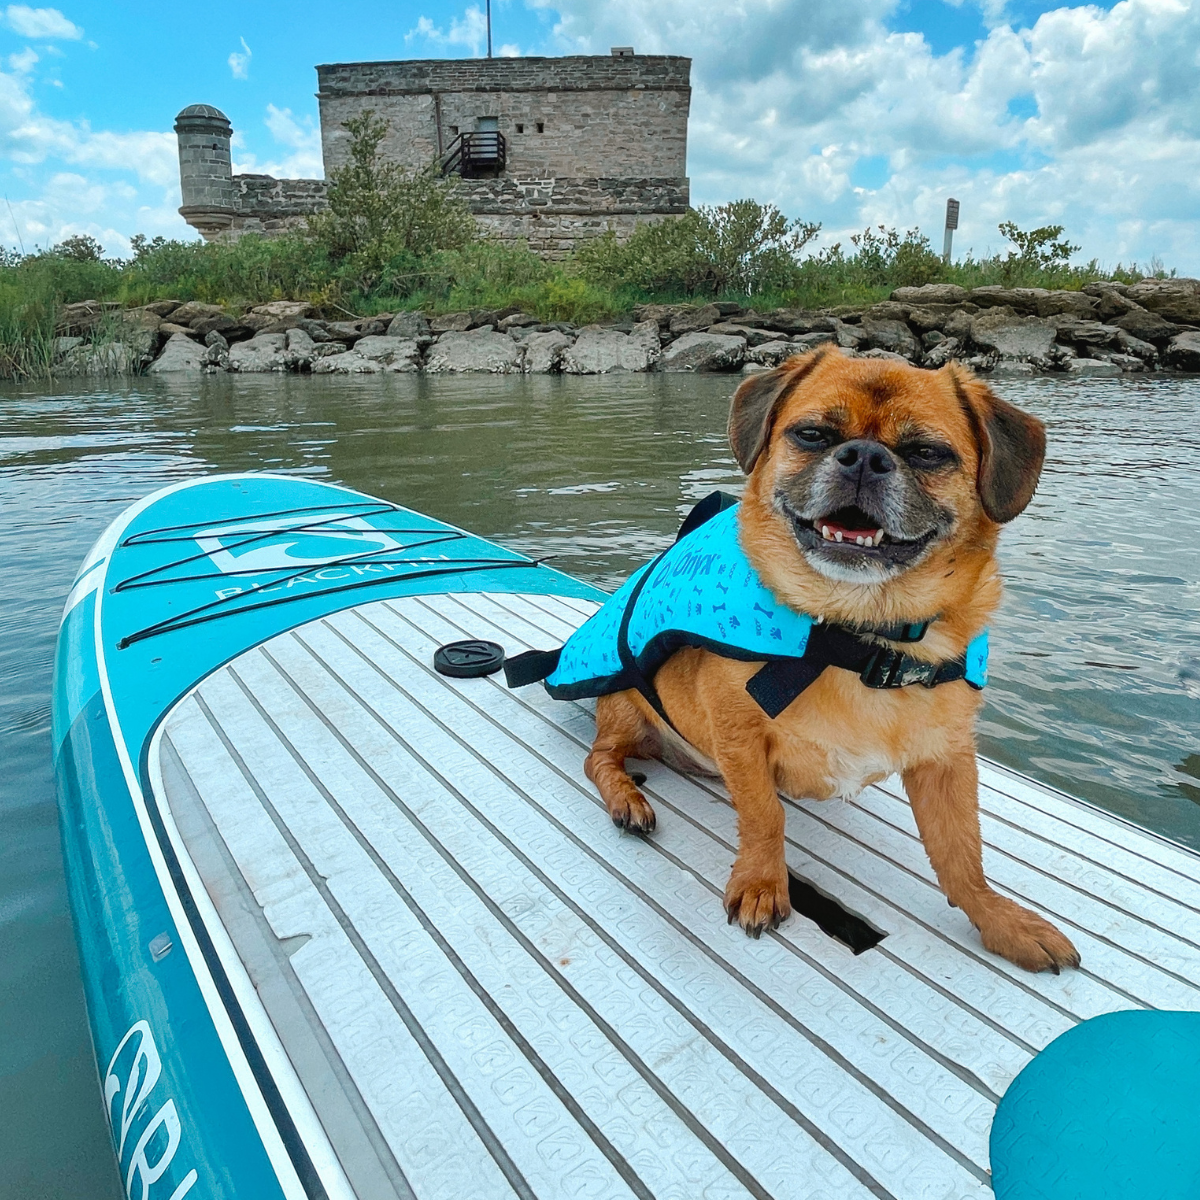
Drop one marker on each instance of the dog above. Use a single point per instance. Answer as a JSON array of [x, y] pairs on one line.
[[875, 496]]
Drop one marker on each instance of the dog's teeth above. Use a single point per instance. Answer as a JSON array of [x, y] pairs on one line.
[[867, 541], [837, 537], [859, 539], [825, 533]]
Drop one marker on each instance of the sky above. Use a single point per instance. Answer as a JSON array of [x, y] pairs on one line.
[[846, 112]]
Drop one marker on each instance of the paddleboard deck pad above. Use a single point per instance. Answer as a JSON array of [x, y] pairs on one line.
[[351, 927]]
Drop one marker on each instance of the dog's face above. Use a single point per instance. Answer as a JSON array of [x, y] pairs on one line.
[[874, 467]]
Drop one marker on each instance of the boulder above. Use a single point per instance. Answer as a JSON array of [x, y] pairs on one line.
[[62, 345], [1013, 368], [598, 351], [1127, 362], [891, 335], [327, 349], [945, 351], [544, 352], [300, 350], [885, 355], [216, 357], [1148, 326], [1076, 304], [934, 316], [1092, 368], [1183, 351], [139, 329], [408, 325], [930, 293], [456, 322], [1175, 300], [181, 355], [1109, 301], [1105, 285], [263, 352], [169, 329], [518, 320], [109, 358], [1128, 344], [216, 338], [1020, 300], [771, 354], [276, 317], [395, 353], [958, 325], [703, 352], [479, 350], [850, 337], [1010, 336], [754, 337], [349, 362], [317, 330], [661, 314], [887, 310], [344, 331], [163, 308], [696, 320], [1086, 333], [82, 317], [193, 311], [233, 329], [803, 342]]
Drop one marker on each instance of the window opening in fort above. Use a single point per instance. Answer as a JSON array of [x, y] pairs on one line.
[[541, 127], [489, 125], [520, 128]]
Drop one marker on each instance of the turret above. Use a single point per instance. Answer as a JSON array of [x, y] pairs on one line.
[[205, 169]]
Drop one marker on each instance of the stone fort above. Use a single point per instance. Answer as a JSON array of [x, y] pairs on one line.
[[552, 150]]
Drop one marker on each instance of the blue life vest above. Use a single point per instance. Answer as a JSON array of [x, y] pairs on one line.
[[703, 592]]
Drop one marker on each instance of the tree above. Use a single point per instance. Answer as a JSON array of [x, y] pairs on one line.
[[79, 248], [378, 211], [1041, 249]]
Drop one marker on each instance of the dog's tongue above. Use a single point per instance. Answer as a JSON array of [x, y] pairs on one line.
[[833, 532]]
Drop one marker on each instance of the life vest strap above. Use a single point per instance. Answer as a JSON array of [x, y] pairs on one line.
[[531, 667]]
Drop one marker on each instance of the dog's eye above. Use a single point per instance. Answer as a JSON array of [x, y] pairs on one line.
[[928, 455], [809, 437]]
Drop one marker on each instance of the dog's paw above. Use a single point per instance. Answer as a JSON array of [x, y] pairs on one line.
[[630, 810], [757, 899], [1025, 938]]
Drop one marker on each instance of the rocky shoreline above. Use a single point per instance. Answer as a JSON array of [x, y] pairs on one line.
[[1106, 330]]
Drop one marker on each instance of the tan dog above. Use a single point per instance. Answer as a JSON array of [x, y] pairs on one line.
[[876, 495]]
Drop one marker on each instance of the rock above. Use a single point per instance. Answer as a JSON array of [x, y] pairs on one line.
[[885, 355], [887, 311], [599, 351], [263, 352], [754, 368], [803, 342], [958, 325], [180, 356], [495, 353], [728, 308], [771, 354], [995, 296], [193, 311], [223, 323], [945, 351], [395, 353], [1175, 300], [1010, 336], [754, 337], [516, 321], [457, 322], [300, 349], [408, 325], [544, 352], [1148, 326], [934, 316], [1127, 362], [1183, 351], [63, 345], [662, 314], [317, 330], [932, 338], [1076, 304], [696, 320], [83, 316], [215, 338], [1013, 367], [344, 331], [109, 358], [1128, 344], [1110, 303], [1092, 368], [349, 362], [216, 357], [163, 308], [795, 320], [981, 362], [1087, 333], [930, 293], [328, 349], [891, 335], [850, 337], [169, 329], [283, 309], [703, 352], [1105, 285]]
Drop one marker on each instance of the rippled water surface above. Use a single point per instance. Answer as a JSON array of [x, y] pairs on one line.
[[1095, 661]]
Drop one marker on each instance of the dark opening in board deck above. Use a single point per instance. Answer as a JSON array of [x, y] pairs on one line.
[[830, 917]]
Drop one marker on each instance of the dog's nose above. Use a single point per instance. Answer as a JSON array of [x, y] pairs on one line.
[[863, 459]]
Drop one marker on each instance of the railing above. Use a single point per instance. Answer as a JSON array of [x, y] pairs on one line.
[[476, 155]]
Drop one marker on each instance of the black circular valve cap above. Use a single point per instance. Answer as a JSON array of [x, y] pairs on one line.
[[468, 660]]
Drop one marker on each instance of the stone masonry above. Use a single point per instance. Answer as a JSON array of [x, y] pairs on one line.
[[593, 144]]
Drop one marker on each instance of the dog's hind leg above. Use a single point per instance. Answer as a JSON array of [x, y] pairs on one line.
[[622, 731]]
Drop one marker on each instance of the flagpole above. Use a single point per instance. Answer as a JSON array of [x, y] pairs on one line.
[[489, 23]]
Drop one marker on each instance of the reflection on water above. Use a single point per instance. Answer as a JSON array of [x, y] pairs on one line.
[[1096, 654]]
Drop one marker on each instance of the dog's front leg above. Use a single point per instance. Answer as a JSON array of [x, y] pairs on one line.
[[757, 893], [945, 803]]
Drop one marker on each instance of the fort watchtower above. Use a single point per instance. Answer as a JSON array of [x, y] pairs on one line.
[[552, 150]]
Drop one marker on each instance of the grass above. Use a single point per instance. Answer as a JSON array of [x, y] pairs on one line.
[[743, 252]]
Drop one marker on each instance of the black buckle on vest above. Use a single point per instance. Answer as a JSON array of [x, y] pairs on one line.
[[888, 668]]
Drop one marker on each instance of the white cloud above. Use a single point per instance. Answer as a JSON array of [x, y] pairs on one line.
[[40, 23], [239, 63], [301, 137], [23, 63], [468, 32], [799, 101]]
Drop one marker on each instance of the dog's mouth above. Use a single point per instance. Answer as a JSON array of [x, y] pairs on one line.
[[851, 535]]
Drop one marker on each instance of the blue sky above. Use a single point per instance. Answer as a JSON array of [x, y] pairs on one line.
[[844, 111]]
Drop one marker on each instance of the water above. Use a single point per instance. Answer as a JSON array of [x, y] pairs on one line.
[[1096, 654]]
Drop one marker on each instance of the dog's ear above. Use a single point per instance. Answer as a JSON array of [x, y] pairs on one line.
[[1012, 447], [754, 403]]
